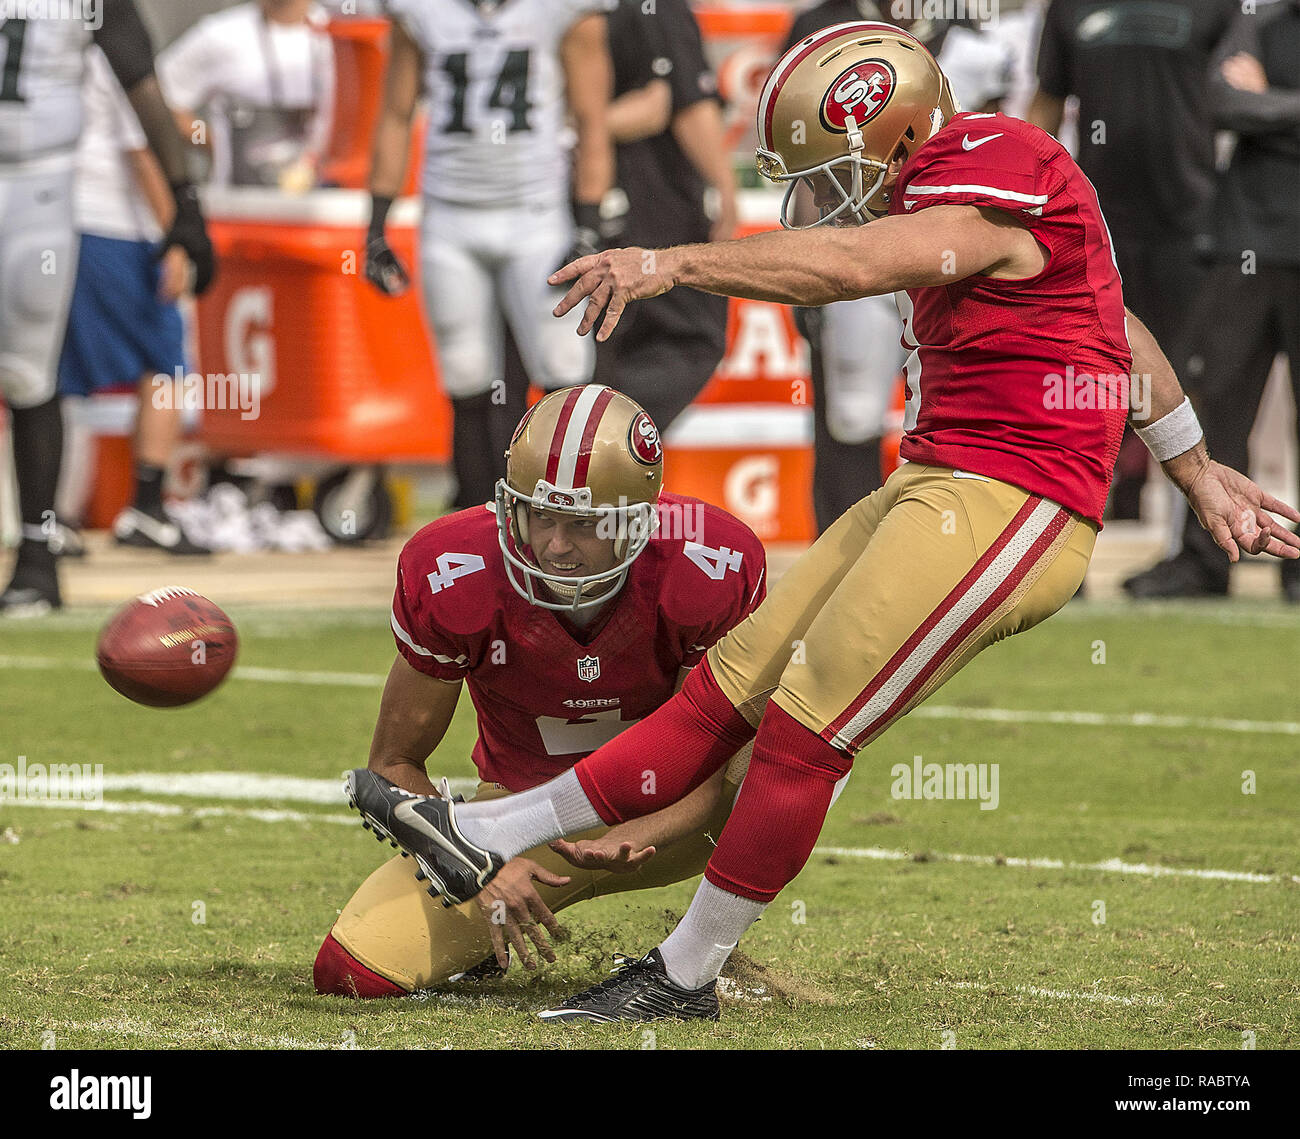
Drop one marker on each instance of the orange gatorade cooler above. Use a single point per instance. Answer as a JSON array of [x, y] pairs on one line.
[[325, 365], [338, 371]]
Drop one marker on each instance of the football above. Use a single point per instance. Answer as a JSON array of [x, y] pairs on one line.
[[167, 648]]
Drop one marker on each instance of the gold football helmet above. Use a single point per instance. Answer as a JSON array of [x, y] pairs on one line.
[[843, 104], [587, 452]]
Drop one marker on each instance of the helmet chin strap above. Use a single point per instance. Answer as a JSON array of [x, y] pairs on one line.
[[597, 591]]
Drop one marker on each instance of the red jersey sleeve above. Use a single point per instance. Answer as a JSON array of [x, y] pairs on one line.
[[718, 580], [974, 162], [424, 642]]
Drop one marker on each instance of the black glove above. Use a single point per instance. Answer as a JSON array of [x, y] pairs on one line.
[[586, 233], [190, 232], [383, 269]]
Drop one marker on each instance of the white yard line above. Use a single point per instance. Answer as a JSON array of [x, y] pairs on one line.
[[1054, 994], [1107, 720], [925, 712], [324, 679], [230, 785], [225, 785], [1109, 866], [172, 810], [198, 1035], [243, 672]]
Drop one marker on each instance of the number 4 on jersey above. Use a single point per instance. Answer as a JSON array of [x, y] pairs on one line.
[[452, 566], [714, 562]]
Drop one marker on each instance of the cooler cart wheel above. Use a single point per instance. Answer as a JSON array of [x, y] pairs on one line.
[[353, 504]]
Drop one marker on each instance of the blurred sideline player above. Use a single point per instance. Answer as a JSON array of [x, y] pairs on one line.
[[667, 122], [124, 326], [263, 73], [1255, 92], [499, 213], [40, 122], [997, 250], [565, 635], [1154, 173], [856, 353]]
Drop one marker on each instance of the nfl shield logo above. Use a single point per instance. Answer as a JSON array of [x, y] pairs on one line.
[[588, 668]]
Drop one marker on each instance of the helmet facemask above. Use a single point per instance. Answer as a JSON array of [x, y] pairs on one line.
[[866, 179], [629, 525]]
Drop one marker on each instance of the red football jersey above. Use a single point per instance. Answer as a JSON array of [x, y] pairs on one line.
[[1025, 380], [548, 693]]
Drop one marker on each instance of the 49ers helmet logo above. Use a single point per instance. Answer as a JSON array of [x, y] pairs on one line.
[[643, 440], [861, 91]]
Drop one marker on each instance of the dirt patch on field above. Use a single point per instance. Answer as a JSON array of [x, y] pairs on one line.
[[749, 977]]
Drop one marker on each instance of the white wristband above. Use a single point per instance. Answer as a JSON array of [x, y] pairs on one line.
[[1172, 434]]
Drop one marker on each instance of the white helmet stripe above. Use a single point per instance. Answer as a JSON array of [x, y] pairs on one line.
[[573, 434]]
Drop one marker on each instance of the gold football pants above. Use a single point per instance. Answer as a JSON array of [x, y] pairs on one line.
[[903, 590], [393, 927]]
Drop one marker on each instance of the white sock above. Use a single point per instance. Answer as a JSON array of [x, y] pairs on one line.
[[514, 823], [695, 952]]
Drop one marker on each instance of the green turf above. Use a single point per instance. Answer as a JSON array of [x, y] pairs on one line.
[[101, 948]]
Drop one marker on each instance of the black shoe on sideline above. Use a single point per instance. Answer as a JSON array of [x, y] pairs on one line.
[[137, 528], [1179, 576], [1291, 581], [33, 600]]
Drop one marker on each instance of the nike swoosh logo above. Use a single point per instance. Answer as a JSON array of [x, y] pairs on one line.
[[907, 205], [405, 812], [968, 475], [967, 144]]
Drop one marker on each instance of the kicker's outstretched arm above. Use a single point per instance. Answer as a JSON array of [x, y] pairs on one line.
[[809, 267]]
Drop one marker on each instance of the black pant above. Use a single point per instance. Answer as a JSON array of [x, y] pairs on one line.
[[843, 473], [664, 351], [1238, 324], [1162, 278]]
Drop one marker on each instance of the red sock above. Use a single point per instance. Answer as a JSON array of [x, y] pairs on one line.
[[668, 754], [338, 974], [780, 811]]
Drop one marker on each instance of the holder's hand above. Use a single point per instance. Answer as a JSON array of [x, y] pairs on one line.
[[512, 906], [602, 854]]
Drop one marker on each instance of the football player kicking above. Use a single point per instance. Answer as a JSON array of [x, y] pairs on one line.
[[570, 612], [1018, 391]]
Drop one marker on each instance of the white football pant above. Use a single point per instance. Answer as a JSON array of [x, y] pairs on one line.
[[861, 356], [38, 269], [482, 264]]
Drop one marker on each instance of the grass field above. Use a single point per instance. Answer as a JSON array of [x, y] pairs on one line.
[[888, 939]]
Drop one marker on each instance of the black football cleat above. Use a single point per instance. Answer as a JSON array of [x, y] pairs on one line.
[[638, 990], [33, 591], [424, 827], [489, 969]]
